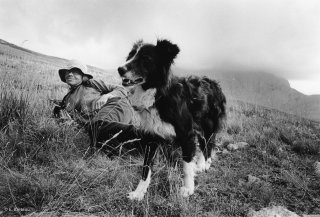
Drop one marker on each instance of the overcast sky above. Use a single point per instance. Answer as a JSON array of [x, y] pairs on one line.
[[280, 36]]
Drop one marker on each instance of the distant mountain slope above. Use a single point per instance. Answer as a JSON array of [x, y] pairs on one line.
[[14, 51], [263, 89], [258, 88]]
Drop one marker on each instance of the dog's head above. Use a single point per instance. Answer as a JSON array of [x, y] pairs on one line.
[[148, 64]]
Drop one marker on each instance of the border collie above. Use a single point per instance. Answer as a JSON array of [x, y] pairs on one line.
[[189, 110]]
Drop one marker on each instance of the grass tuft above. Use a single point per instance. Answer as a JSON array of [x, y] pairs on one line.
[[306, 147]]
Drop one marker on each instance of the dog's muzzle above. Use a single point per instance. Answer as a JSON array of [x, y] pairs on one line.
[[128, 82]]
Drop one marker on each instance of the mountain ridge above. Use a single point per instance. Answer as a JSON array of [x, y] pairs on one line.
[[262, 88]]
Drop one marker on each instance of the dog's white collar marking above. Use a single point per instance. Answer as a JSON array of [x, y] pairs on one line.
[[142, 99], [149, 118], [141, 189], [150, 121]]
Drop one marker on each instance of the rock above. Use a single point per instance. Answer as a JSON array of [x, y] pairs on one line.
[[249, 180], [253, 179], [232, 147], [225, 152], [242, 182], [236, 146], [218, 144], [214, 156], [226, 142], [274, 211], [317, 168]]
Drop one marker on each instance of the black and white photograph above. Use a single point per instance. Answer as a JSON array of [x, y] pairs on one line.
[[160, 108]]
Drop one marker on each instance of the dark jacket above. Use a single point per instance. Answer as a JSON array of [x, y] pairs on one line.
[[79, 100]]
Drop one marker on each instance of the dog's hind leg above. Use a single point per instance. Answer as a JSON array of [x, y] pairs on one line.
[[144, 183], [200, 157], [210, 144], [189, 167], [189, 173]]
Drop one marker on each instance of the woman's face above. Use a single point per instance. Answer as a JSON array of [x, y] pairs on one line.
[[73, 77]]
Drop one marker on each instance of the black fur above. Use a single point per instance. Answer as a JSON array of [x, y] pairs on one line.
[[194, 106]]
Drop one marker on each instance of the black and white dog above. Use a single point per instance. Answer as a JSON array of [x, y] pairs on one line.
[[188, 110]]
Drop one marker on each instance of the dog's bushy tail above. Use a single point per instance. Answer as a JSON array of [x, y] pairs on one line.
[[206, 102], [217, 103]]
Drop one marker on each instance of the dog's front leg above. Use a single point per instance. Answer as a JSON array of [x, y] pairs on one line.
[[144, 183]]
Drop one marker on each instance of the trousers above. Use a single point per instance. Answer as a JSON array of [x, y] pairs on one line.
[[115, 138]]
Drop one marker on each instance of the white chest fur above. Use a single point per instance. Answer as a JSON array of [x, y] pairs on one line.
[[149, 118], [150, 121]]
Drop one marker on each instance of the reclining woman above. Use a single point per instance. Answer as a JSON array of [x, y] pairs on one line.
[[102, 108]]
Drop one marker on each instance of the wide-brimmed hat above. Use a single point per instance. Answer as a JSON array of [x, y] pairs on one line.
[[71, 65]]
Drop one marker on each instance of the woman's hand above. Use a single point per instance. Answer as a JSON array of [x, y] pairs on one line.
[[100, 102]]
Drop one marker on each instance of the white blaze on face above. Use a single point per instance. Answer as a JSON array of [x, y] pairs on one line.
[[129, 74], [133, 57]]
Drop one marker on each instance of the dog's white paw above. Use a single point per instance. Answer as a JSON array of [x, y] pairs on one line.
[[186, 192], [141, 189], [208, 163], [201, 163], [136, 195], [200, 166]]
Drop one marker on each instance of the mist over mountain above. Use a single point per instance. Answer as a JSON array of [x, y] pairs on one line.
[[253, 86], [262, 88]]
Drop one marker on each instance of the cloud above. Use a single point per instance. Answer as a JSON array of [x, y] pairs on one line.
[[278, 35]]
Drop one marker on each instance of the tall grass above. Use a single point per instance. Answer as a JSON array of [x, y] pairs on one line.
[[43, 166]]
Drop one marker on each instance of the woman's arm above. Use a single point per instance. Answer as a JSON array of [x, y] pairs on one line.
[[108, 91], [114, 90]]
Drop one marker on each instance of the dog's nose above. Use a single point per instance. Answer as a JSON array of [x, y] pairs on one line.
[[122, 70]]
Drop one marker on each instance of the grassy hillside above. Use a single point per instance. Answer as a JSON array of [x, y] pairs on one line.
[[43, 168], [14, 59]]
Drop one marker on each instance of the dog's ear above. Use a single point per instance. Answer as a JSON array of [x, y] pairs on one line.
[[167, 50]]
